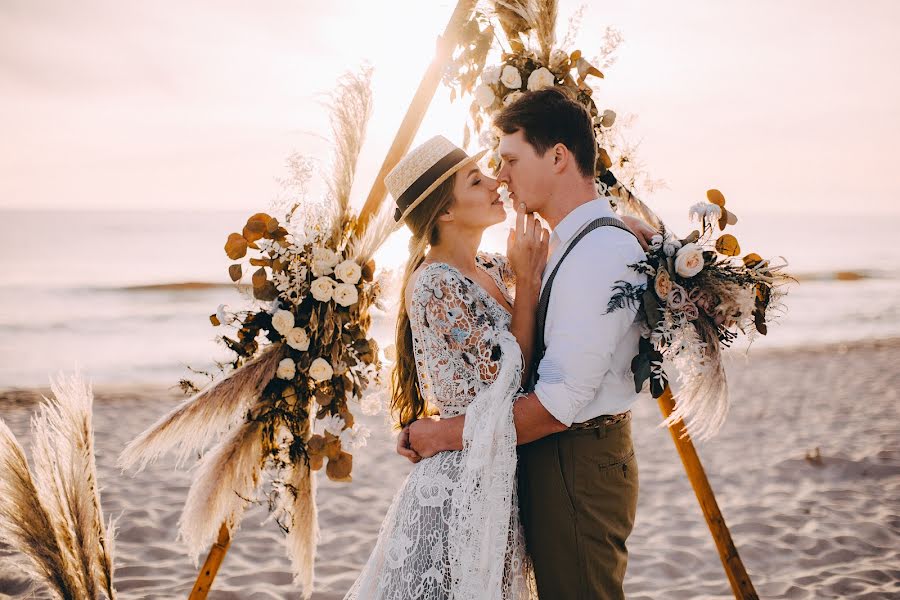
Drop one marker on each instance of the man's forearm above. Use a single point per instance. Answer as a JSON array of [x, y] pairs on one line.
[[531, 419]]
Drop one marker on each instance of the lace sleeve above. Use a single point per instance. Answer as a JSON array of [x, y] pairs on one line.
[[462, 332], [499, 268]]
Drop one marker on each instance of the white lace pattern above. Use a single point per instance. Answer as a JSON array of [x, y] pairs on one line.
[[452, 531]]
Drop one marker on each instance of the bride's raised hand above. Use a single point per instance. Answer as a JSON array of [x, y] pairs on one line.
[[526, 249]]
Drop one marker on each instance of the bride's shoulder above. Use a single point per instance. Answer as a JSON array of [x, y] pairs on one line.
[[433, 281]]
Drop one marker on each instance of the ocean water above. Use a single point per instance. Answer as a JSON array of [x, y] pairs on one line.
[[77, 288]]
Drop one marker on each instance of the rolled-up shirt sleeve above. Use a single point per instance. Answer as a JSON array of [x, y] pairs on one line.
[[580, 335]]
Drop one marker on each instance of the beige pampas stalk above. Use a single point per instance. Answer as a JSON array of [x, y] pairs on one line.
[[226, 477], [303, 534], [56, 515], [26, 523], [537, 15], [351, 106], [195, 422], [378, 229]]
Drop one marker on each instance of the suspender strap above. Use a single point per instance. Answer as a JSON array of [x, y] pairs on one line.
[[544, 302]]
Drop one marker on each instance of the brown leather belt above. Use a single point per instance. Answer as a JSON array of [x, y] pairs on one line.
[[601, 421]]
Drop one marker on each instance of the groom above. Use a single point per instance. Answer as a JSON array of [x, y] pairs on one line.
[[578, 481]]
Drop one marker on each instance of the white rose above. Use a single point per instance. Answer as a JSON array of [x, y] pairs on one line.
[[354, 438], [320, 370], [348, 272], [689, 260], [491, 75], [283, 321], [345, 294], [539, 79], [297, 339], [484, 96], [510, 98], [322, 288], [333, 424], [286, 369], [511, 77], [321, 268], [326, 255]]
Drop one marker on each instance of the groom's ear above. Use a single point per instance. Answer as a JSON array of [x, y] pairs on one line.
[[561, 157]]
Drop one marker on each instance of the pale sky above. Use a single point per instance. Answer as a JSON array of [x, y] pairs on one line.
[[785, 105]]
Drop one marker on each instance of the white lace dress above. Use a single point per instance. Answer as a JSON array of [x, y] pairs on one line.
[[453, 531]]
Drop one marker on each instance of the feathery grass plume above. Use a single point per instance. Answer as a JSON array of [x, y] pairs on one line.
[[225, 479], [303, 533], [539, 16], [28, 526], [380, 226], [351, 107], [66, 476], [630, 204], [195, 422]]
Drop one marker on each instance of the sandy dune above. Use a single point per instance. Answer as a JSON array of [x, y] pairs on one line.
[[806, 529]]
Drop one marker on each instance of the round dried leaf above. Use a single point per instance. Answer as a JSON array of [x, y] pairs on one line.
[[716, 197], [260, 278], [266, 293], [752, 259], [339, 469], [235, 272], [603, 156], [236, 246], [728, 245]]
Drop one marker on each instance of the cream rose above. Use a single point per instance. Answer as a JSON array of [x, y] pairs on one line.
[[662, 285], [491, 75], [485, 96], [348, 272], [689, 260], [320, 370], [297, 339], [540, 79], [286, 369], [324, 261], [283, 321], [677, 297], [345, 294], [322, 288], [511, 78], [512, 97]]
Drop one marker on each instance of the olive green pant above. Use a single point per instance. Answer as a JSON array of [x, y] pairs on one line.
[[578, 494]]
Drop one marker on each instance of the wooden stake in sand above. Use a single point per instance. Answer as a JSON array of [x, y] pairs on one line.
[[402, 141], [731, 561]]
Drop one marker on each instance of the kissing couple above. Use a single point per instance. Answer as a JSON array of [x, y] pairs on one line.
[[512, 385]]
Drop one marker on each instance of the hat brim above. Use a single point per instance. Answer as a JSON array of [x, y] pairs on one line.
[[437, 182]]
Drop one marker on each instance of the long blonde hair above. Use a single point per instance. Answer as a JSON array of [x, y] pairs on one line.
[[407, 403]]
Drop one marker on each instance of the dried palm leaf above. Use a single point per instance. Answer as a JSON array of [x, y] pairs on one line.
[[539, 16], [303, 533], [195, 422]]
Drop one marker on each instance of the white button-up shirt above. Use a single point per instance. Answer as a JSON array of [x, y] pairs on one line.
[[586, 371]]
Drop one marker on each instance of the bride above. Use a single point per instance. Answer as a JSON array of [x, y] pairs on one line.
[[453, 531]]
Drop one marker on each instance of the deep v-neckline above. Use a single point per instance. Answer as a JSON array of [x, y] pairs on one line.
[[478, 285]]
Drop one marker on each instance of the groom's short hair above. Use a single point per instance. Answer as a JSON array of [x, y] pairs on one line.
[[551, 116]]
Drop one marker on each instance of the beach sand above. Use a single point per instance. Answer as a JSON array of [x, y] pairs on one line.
[[821, 528]]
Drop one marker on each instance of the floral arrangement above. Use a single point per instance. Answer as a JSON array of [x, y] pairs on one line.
[[530, 60], [302, 358], [699, 296]]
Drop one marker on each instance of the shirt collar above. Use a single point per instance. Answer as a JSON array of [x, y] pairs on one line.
[[580, 216]]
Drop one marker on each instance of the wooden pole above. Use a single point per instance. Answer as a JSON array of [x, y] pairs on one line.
[[211, 565], [734, 568], [402, 141], [416, 111]]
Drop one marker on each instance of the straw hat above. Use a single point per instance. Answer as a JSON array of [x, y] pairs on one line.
[[423, 170]]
